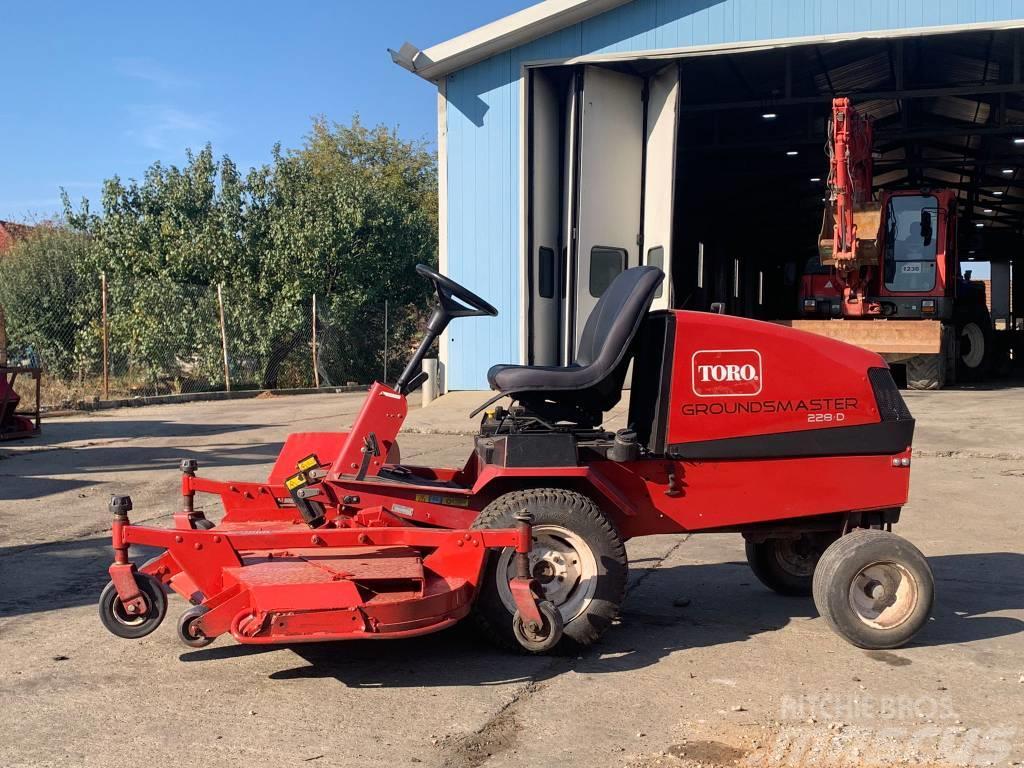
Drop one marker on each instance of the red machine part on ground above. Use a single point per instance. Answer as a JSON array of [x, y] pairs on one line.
[[15, 424]]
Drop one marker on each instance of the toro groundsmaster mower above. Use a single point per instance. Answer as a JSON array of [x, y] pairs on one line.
[[800, 443]]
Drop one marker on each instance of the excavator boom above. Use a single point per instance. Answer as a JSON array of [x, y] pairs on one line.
[[852, 221]]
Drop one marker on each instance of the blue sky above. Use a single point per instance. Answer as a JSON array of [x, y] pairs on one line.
[[102, 88]]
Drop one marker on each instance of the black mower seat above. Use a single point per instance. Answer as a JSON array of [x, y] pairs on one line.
[[595, 377]]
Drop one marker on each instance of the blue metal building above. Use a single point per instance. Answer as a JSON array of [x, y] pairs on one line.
[[542, 138]]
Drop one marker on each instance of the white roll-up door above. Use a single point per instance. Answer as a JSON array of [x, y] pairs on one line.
[[545, 205], [610, 171], [659, 176]]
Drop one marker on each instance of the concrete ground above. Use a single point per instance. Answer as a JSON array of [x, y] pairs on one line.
[[706, 666]]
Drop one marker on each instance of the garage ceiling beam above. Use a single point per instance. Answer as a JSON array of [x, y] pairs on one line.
[[894, 136], [823, 99], [964, 185], [881, 166], [978, 211]]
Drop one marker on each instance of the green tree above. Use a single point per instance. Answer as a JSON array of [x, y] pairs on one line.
[[357, 207], [346, 216], [51, 301]]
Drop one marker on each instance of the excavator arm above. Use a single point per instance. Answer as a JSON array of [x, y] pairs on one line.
[[850, 229]]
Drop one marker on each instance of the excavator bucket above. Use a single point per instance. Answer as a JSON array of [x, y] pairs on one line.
[[867, 218]]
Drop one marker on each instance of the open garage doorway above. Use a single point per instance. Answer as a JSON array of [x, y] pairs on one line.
[[736, 222], [948, 113]]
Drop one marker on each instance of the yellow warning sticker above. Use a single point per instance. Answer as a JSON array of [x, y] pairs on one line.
[[295, 481], [448, 501], [308, 463]]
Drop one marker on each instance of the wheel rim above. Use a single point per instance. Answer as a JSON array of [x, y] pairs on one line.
[[884, 595], [563, 565], [972, 345], [124, 618], [191, 634], [796, 557]]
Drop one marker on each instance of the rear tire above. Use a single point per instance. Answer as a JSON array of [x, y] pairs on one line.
[[926, 372], [874, 588], [974, 342], [578, 560], [787, 565]]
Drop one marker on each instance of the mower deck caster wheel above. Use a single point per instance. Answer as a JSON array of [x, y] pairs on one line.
[[578, 561], [189, 634], [874, 588], [119, 622], [543, 638]]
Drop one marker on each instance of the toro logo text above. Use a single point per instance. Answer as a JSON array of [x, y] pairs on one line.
[[727, 372]]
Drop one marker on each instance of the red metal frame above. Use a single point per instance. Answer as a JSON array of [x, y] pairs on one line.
[[280, 583]]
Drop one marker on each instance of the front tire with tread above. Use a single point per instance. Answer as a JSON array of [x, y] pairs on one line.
[[571, 511], [926, 372]]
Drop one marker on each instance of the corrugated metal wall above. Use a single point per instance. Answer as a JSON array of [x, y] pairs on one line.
[[483, 127]]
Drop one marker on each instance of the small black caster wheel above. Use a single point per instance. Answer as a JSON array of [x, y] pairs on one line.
[[543, 638], [190, 634], [119, 622], [204, 525]]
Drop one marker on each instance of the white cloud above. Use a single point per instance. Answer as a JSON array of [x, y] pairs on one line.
[[163, 127], [149, 71]]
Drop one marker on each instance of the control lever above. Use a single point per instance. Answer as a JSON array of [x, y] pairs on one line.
[[371, 449]]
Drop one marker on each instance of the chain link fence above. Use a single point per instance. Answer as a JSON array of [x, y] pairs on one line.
[[148, 338]]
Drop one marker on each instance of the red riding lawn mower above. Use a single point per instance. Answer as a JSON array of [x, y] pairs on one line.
[[728, 431]]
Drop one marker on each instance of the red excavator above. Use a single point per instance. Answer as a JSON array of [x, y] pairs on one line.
[[893, 257]]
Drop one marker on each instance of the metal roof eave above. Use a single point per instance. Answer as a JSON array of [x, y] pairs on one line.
[[514, 30]]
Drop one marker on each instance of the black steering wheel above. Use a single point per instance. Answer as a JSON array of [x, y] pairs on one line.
[[448, 291]]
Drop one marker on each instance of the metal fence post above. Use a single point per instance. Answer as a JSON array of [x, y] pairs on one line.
[[3, 338], [316, 368], [106, 337], [223, 339]]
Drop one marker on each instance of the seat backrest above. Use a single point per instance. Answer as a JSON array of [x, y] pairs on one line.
[[610, 330], [614, 321]]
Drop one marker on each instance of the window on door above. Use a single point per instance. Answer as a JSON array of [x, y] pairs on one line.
[[606, 264], [656, 258], [546, 273]]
